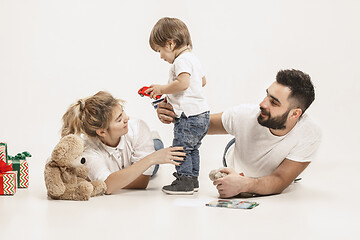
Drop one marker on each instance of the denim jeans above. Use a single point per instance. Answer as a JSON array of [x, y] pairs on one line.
[[158, 144], [232, 141], [188, 133]]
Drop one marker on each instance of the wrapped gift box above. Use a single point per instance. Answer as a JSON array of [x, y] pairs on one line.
[[3, 152], [20, 165], [22, 169], [8, 179]]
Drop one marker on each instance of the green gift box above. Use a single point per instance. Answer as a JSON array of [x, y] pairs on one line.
[[20, 165]]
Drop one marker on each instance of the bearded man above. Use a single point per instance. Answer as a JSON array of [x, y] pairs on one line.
[[272, 143]]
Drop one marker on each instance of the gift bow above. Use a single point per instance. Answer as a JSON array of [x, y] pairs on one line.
[[20, 156], [4, 167]]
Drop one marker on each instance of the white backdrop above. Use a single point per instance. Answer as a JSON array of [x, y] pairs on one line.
[[54, 52]]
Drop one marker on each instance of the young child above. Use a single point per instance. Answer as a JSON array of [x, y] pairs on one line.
[[171, 38]]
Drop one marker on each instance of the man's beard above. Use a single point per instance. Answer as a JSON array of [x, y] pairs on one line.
[[273, 123]]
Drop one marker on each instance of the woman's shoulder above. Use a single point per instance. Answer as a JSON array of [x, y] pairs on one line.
[[137, 127], [92, 145], [136, 124]]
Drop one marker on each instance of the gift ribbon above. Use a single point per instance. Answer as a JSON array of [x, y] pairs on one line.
[[4, 167], [19, 156]]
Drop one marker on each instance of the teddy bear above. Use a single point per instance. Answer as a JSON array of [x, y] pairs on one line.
[[216, 174], [66, 177]]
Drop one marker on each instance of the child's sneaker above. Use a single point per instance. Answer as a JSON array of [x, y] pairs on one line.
[[196, 183], [182, 185]]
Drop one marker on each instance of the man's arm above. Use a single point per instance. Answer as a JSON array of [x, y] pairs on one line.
[[216, 126], [166, 115], [281, 178]]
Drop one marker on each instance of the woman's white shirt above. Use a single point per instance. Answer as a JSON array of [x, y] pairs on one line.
[[103, 160]]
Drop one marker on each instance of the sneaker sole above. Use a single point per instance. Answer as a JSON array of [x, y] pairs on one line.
[[196, 189], [178, 193]]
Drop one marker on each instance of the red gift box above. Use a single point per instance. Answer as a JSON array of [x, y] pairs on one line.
[[7, 179]]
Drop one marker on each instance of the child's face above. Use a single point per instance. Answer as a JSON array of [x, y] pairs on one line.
[[167, 52]]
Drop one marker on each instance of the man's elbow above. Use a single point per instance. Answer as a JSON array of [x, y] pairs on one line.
[[281, 185]]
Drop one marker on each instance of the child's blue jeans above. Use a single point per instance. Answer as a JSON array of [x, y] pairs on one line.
[[188, 133], [158, 144]]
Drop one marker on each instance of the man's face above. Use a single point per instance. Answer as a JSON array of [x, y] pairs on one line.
[[275, 108]]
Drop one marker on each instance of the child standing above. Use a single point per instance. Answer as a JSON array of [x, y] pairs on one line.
[[171, 38]]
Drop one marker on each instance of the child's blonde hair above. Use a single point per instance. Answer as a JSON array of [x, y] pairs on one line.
[[170, 29], [89, 114]]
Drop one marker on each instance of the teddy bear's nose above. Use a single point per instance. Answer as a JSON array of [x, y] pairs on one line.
[[83, 160]]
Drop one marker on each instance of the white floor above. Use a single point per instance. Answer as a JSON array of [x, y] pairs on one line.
[[324, 205]]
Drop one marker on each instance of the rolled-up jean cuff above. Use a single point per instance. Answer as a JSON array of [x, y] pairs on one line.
[[158, 144]]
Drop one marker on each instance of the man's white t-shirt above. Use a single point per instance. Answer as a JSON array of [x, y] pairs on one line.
[[192, 101], [103, 160], [257, 152]]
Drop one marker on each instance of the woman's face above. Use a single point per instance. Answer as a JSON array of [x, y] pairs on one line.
[[118, 127]]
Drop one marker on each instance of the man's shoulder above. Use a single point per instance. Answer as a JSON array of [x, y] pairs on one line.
[[242, 110], [239, 118], [309, 127]]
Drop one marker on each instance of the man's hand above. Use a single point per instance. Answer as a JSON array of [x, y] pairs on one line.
[[275, 183], [165, 112], [232, 184]]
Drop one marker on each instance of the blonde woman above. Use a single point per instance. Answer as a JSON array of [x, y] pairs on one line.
[[118, 151]]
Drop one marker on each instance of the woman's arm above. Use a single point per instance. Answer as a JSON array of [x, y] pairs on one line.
[[131, 176], [139, 183]]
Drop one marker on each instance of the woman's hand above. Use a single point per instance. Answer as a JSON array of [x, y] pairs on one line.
[[168, 155], [165, 112]]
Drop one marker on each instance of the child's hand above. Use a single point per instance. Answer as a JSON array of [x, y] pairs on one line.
[[154, 90]]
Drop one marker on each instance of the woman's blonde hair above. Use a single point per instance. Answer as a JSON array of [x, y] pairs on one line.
[[89, 114], [170, 29]]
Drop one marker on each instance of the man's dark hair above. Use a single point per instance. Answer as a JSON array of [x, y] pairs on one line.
[[302, 89]]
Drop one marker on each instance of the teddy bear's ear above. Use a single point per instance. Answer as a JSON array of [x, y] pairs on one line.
[[69, 147]]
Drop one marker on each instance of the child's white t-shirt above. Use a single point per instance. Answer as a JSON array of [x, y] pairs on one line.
[[191, 101], [257, 152], [103, 160]]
